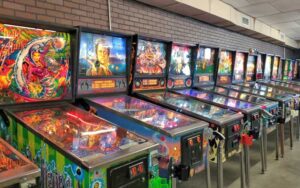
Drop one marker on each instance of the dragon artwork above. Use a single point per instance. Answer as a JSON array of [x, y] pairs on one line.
[[34, 64]]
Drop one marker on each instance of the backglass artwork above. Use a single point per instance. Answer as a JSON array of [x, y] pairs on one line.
[[151, 58], [35, 65], [275, 67], [102, 55], [180, 60], [250, 68], [205, 61], [239, 66], [267, 72], [259, 67], [225, 65]]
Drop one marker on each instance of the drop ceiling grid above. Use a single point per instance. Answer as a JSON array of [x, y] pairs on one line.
[[280, 14]]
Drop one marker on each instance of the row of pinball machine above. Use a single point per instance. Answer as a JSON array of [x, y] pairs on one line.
[[88, 108]]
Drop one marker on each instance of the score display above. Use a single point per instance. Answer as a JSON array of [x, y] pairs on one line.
[[136, 170]]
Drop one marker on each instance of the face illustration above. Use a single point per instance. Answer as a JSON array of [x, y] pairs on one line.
[[102, 53], [36, 57]]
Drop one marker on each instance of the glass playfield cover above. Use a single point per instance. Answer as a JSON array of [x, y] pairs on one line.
[[217, 98], [190, 104], [146, 112], [78, 132]]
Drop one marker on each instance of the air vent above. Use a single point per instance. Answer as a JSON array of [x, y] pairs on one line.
[[245, 20]]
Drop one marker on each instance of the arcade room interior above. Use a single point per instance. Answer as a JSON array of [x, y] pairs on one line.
[[149, 93]]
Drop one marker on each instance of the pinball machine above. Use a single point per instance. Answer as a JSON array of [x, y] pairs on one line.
[[296, 71], [270, 108], [287, 102], [15, 169], [183, 140], [72, 147], [151, 86], [252, 113], [276, 86], [279, 80]]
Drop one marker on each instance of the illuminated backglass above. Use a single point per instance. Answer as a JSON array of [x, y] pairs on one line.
[[180, 67], [295, 69], [285, 69], [280, 72], [102, 63], [239, 66], [267, 68], [35, 65], [250, 68], [204, 66], [259, 67], [225, 67], [275, 67], [150, 65]]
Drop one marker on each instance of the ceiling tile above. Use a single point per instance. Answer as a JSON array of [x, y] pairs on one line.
[[286, 5], [237, 3], [280, 18], [259, 10], [260, 1], [286, 25]]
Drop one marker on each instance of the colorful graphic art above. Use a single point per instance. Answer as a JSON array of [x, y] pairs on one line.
[[8, 159], [290, 69], [180, 60], [205, 61], [267, 72], [295, 69], [77, 131], [251, 65], [239, 63], [151, 58], [275, 67], [259, 67], [250, 68], [34, 65], [225, 65], [102, 55], [279, 75]]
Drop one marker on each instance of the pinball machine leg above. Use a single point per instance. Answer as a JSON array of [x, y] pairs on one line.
[[265, 147], [242, 168], [262, 152], [277, 142], [282, 139], [247, 165], [298, 126], [174, 182], [220, 182], [291, 126], [208, 177]]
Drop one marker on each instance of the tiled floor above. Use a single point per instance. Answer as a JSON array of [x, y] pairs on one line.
[[284, 173]]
